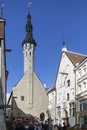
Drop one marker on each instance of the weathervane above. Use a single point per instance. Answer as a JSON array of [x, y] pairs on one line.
[[29, 5], [1, 8]]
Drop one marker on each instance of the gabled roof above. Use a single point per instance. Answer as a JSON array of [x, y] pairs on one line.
[[75, 57], [53, 88]]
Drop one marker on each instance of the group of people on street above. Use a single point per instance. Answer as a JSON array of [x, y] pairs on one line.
[[30, 125]]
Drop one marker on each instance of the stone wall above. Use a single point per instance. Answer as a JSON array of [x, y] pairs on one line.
[[2, 120]]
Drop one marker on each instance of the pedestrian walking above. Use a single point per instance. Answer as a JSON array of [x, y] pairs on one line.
[[59, 126], [64, 126]]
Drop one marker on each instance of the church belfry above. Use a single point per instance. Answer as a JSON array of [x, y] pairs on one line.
[[28, 45]]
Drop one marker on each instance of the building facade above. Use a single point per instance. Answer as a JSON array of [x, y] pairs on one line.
[[81, 92], [29, 95], [3, 74], [65, 87]]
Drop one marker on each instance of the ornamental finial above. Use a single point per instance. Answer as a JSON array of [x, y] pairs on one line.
[[1, 8], [29, 5]]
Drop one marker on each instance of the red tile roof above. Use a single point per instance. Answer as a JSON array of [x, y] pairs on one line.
[[52, 88], [75, 57]]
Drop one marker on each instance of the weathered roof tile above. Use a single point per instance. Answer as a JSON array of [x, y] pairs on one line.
[[75, 57]]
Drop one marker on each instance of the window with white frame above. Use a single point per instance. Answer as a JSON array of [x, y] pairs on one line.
[[83, 105], [72, 109]]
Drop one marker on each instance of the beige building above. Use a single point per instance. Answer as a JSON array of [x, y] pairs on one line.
[[81, 92], [29, 95]]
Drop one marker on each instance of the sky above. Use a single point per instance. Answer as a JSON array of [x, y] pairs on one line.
[[53, 21]]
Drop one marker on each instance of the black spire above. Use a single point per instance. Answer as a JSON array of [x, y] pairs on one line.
[[29, 29], [1, 9], [64, 46]]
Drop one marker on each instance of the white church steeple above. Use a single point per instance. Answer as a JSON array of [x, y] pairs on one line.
[[29, 45]]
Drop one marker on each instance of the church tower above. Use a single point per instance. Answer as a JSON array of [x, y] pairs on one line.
[[29, 45], [29, 88]]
